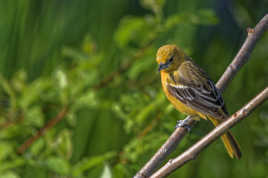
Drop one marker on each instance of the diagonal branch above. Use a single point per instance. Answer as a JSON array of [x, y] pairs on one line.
[[193, 151], [42, 131], [243, 55], [240, 59]]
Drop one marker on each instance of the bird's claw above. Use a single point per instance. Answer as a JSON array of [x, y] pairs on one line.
[[183, 123]]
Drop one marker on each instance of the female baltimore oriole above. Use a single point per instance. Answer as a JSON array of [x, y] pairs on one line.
[[191, 91]]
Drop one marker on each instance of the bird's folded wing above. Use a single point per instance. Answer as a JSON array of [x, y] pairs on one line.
[[192, 87]]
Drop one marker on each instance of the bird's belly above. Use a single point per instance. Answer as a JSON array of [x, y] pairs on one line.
[[181, 106]]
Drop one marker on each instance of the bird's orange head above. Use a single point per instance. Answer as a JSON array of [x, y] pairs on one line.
[[169, 57]]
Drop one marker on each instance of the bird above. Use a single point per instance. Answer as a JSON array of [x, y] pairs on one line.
[[192, 92]]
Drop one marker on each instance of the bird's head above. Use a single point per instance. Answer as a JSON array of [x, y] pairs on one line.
[[169, 57]]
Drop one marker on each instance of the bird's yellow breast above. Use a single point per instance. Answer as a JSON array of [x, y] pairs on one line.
[[183, 108]]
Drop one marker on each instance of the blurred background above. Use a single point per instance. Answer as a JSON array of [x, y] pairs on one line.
[[80, 95]]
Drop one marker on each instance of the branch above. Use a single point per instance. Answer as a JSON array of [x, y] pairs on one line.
[[11, 122], [243, 55], [42, 131], [193, 151], [240, 59], [164, 151]]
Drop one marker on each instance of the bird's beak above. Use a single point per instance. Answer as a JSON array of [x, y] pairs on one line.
[[162, 66]]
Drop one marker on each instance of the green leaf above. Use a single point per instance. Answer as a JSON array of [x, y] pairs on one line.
[[5, 150], [9, 174], [154, 5], [135, 31], [142, 115], [128, 30], [11, 164], [88, 163], [106, 173], [34, 116], [58, 165], [37, 146], [140, 67], [64, 143], [201, 17], [62, 79], [33, 91], [8, 89]]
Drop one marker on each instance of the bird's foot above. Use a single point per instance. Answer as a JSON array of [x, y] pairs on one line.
[[184, 123]]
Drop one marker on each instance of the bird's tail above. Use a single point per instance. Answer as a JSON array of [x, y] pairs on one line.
[[229, 141]]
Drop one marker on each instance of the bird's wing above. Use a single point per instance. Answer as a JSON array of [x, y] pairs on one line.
[[191, 86]]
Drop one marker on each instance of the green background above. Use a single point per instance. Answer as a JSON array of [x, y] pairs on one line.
[[96, 61]]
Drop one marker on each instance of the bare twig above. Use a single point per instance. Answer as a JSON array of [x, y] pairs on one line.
[[41, 132], [12, 122], [240, 59], [193, 152], [164, 151], [243, 55]]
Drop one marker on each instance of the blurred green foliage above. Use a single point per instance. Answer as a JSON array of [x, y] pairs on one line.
[[96, 59]]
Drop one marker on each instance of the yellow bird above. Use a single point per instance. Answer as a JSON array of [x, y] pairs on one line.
[[191, 91]]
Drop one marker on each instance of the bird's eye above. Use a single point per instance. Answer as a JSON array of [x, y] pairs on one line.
[[171, 59]]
